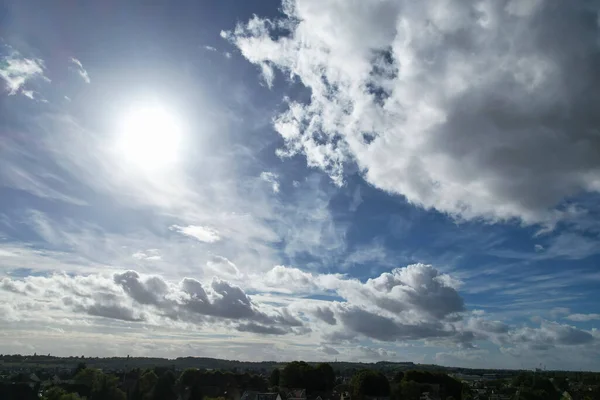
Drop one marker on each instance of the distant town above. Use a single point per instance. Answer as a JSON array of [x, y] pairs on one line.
[[28, 377]]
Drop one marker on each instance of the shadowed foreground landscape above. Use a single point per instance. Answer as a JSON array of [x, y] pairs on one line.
[[193, 378]]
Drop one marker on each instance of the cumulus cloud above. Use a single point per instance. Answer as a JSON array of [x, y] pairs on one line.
[[131, 297], [549, 335], [144, 291], [420, 287], [16, 70], [414, 302], [360, 315], [409, 303], [289, 279], [78, 67], [477, 109], [202, 233], [272, 179]]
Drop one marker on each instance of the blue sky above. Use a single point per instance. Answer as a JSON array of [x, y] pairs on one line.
[[310, 180]]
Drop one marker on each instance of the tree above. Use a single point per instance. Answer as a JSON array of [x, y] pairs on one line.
[[70, 396], [274, 378], [165, 387], [294, 375], [58, 393], [325, 376], [144, 385], [410, 390], [80, 367], [54, 393], [299, 374], [88, 376], [369, 383], [448, 385], [190, 381], [398, 376], [103, 387]]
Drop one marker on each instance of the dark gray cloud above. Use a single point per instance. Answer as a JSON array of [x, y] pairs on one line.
[[149, 291], [261, 329], [113, 311], [487, 326], [548, 335], [128, 296], [386, 329], [325, 314]]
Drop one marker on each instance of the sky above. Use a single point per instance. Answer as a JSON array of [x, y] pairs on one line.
[[302, 180]]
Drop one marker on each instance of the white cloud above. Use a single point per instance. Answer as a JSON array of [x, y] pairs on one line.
[[78, 67], [16, 70], [221, 266], [559, 311], [202, 233], [583, 317], [377, 354], [271, 178], [459, 357], [328, 350], [128, 304], [150, 255], [210, 48], [128, 296], [426, 99], [538, 247]]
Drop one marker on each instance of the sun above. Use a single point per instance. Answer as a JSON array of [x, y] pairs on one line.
[[149, 137]]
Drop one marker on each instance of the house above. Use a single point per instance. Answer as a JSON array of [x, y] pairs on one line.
[[296, 394], [566, 396], [429, 396], [252, 395]]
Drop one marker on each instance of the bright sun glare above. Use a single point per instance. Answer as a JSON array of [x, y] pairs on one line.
[[150, 138]]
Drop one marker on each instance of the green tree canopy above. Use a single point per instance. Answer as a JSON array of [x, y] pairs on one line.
[[369, 383], [274, 378], [165, 388], [299, 374], [326, 377], [103, 386]]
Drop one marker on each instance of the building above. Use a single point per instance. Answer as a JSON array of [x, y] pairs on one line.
[[252, 395]]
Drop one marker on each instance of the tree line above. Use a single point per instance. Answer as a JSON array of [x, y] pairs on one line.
[[161, 383]]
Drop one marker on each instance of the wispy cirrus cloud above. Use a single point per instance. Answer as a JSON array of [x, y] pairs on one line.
[[583, 317], [16, 70], [201, 233], [78, 67]]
